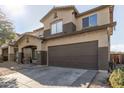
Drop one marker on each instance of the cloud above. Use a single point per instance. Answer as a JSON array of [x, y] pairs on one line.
[[117, 48]]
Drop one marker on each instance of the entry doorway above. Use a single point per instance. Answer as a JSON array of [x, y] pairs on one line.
[[29, 54]]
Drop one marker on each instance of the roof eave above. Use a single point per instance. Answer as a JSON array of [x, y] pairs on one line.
[[93, 10]]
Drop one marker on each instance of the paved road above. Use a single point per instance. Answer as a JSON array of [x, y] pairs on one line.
[[37, 76]]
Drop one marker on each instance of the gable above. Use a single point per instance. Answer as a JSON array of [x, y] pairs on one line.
[[65, 15], [24, 37], [29, 41], [60, 8], [101, 14]]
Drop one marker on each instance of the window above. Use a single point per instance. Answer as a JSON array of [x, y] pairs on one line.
[[56, 27], [86, 22], [53, 28], [90, 21], [93, 20]]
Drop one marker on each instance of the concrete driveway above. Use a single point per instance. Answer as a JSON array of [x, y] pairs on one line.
[[37, 76]]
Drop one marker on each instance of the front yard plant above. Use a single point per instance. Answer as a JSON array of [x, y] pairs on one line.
[[116, 78]]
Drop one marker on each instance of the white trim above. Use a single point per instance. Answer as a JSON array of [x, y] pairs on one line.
[[89, 20], [55, 23]]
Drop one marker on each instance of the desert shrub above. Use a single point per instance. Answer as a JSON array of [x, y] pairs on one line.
[[116, 78]]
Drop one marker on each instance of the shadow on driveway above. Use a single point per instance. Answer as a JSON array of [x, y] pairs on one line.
[[28, 75]]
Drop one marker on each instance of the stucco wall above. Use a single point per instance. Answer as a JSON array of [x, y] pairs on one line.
[[32, 41], [103, 44], [10, 50], [101, 36], [65, 15], [103, 17], [38, 33]]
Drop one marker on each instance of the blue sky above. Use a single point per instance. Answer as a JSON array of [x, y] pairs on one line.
[[30, 17]]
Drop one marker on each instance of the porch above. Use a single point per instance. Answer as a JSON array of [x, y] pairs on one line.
[[30, 50]]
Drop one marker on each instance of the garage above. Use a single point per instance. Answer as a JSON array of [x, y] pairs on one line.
[[78, 55]]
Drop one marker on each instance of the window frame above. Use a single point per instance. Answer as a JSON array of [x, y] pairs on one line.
[[89, 23], [90, 20], [56, 27], [84, 22]]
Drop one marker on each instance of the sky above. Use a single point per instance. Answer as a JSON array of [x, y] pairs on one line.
[[27, 18]]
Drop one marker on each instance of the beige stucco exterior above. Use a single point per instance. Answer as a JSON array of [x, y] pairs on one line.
[[103, 17], [101, 36], [32, 42], [10, 50], [38, 32], [65, 15]]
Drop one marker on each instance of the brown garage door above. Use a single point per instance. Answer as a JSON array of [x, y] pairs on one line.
[[79, 55]]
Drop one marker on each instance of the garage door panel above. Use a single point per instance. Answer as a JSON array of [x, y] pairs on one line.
[[73, 59], [89, 50], [81, 55]]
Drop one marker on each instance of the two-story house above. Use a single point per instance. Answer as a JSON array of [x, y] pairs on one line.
[[70, 39]]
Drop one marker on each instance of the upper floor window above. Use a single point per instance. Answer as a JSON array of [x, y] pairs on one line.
[[56, 27], [90, 21]]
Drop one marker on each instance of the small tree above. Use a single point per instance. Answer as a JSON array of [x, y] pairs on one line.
[[6, 29]]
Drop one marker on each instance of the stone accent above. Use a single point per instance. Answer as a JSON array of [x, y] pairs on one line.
[[19, 58], [38, 57], [103, 63], [42, 57], [11, 57]]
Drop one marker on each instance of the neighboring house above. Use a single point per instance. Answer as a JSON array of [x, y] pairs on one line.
[[7, 49], [70, 39], [117, 57]]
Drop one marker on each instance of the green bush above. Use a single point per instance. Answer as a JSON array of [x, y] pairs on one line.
[[116, 78]]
